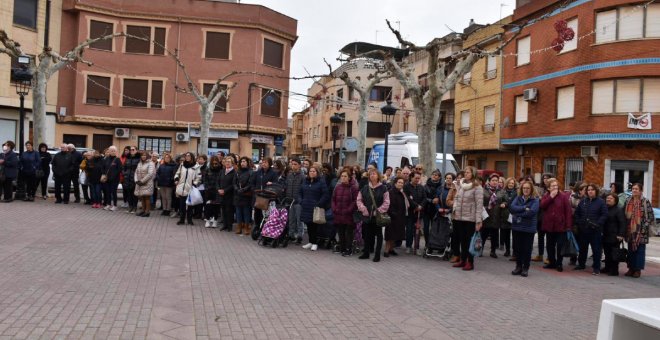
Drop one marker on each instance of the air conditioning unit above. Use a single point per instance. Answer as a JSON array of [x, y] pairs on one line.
[[589, 151], [530, 95], [182, 137], [122, 133]]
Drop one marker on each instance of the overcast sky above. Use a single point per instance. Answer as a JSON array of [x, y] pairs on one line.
[[324, 27]]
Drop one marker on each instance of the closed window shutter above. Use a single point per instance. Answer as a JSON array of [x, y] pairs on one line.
[[602, 99], [606, 26], [492, 63], [565, 102], [156, 94], [523, 51], [135, 92], [98, 90], [99, 29], [159, 41], [651, 95], [627, 95], [217, 45], [572, 44], [521, 110], [653, 21], [134, 45], [489, 115], [465, 119], [631, 23], [273, 53], [270, 102], [221, 105]]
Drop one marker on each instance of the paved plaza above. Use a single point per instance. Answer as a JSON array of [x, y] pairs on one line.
[[74, 272]]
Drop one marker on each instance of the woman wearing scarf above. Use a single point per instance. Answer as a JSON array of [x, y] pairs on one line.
[[640, 222], [504, 199], [557, 220], [525, 209], [399, 210], [467, 214], [144, 182], [491, 224], [185, 178]]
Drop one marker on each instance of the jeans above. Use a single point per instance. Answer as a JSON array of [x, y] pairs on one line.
[[372, 233], [110, 193], [86, 189], [129, 191], [493, 233], [30, 182], [312, 230], [555, 243], [95, 191], [295, 226], [523, 244], [589, 237], [636, 258], [541, 241], [62, 181], [465, 230], [410, 230], [244, 214], [346, 232]]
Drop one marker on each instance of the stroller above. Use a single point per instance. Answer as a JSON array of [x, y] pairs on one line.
[[272, 193], [274, 230], [438, 243]]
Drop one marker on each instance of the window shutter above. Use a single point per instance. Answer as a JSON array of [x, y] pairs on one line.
[[492, 63], [627, 95], [565, 102], [99, 29], [217, 45], [98, 90], [465, 119], [602, 98], [135, 92], [523, 51], [521, 110], [653, 21], [489, 115], [134, 45], [631, 22], [606, 26], [273, 53], [651, 95], [572, 45], [159, 41], [270, 102], [156, 94]]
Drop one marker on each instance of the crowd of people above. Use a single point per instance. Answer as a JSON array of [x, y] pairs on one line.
[[394, 207]]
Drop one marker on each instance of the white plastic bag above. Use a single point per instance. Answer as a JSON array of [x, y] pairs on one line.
[[82, 178], [194, 197]]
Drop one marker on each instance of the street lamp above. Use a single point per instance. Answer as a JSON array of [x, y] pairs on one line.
[[388, 111], [335, 120], [22, 77]]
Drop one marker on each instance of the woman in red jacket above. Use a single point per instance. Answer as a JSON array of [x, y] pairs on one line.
[[344, 199], [557, 220]]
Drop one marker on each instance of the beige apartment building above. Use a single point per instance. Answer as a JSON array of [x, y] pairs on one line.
[[25, 22], [478, 106]]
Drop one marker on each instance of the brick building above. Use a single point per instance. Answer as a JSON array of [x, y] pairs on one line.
[[130, 96], [568, 113]]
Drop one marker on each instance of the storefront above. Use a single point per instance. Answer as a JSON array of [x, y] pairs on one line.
[[219, 140], [261, 145]]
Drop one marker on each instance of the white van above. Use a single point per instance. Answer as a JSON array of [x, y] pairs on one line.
[[403, 149]]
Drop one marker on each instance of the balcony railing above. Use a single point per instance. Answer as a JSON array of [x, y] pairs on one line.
[[464, 131], [490, 74], [488, 127]]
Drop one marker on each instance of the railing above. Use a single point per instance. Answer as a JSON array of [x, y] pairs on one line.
[[464, 131], [488, 127], [490, 74]]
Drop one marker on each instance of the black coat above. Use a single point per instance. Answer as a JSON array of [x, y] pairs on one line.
[[243, 188], [226, 183], [431, 188], [615, 225], [165, 174], [10, 164], [396, 231], [63, 164], [94, 170], [112, 168], [46, 158], [77, 158], [261, 177], [211, 183], [129, 170], [591, 214]]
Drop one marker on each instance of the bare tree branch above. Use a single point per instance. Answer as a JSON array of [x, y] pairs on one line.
[[76, 54], [403, 42], [11, 47]]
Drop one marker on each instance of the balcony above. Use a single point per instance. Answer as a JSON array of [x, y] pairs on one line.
[[488, 128], [464, 131], [492, 74]]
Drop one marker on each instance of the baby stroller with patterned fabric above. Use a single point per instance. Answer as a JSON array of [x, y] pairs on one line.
[[274, 230]]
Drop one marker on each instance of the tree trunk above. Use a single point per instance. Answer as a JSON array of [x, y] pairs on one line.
[[362, 130], [204, 126], [426, 132], [39, 108]]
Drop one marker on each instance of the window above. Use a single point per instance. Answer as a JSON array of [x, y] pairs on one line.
[[349, 128], [574, 171], [340, 98], [628, 22], [467, 78], [99, 29], [523, 51], [625, 95], [327, 135], [134, 45], [217, 45], [98, 90], [521, 110], [80, 141], [491, 67], [221, 105], [25, 13], [423, 82], [572, 44], [489, 119], [136, 93], [380, 93], [156, 94], [350, 94], [550, 166], [155, 144], [465, 122], [376, 129], [273, 53], [271, 102], [159, 41], [565, 102]]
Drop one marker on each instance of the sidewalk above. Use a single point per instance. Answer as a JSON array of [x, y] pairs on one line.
[[74, 272]]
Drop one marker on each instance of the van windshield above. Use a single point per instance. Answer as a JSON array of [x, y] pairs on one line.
[[452, 166]]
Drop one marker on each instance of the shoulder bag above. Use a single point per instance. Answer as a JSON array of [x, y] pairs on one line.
[[382, 219], [620, 253]]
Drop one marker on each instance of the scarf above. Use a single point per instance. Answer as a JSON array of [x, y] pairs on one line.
[[493, 196], [405, 199], [634, 214], [466, 185]]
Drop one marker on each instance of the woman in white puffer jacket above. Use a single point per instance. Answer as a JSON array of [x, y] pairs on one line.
[[185, 178]]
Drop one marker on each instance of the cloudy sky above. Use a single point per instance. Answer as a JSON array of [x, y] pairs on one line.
[[324, 27]]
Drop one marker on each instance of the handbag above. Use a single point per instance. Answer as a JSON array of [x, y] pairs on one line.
[[382, 219], [319, 215], [620, 253], [476, 245], [261, 203], [82, 178], [570, 247]]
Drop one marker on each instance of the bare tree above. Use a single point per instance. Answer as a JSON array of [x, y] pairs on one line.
[[49, 62]]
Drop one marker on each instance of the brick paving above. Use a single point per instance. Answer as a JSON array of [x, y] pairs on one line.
[[74, 272]]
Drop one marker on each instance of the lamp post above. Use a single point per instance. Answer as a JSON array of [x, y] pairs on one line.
[[388, 111], [335, 120], [22, 77]]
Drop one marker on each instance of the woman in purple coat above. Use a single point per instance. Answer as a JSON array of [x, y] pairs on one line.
[[344, 199]]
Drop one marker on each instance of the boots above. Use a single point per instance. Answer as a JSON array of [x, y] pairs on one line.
[[468, 265], [239, 228], [190, 219], [455, 259], [181, 220], [247, 229], [459, 264], [364, 256], [517, 271]]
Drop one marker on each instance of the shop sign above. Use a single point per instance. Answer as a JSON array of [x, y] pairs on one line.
[[219, 134], [261, 139], [642, 122]]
